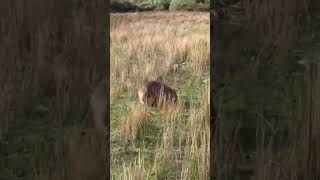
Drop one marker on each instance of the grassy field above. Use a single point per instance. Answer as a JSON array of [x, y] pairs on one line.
[[148, 143]]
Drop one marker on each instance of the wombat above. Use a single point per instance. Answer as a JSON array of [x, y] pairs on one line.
[[155, 93]]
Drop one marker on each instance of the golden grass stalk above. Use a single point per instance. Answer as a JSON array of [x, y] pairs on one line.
[[132, 125]]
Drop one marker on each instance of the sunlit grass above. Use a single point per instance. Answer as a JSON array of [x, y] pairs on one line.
[[151, 143]]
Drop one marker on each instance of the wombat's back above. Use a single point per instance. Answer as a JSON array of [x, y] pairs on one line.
[[152, 92]]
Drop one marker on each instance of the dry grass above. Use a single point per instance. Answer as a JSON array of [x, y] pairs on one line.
[[170, 142], [46, 85], [284, 150], [155, 42], [133, 123]]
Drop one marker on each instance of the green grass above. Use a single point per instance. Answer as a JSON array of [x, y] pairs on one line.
[[152, 143]]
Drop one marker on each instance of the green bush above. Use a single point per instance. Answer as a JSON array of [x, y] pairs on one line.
[[162, 4], [182, 5], [145, 6], [123, 6], [192, 5], [202, 7]]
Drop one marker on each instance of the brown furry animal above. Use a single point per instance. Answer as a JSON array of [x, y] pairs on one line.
[[155, 93]]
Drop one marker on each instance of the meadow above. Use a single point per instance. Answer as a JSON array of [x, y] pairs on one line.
[[150, 143]]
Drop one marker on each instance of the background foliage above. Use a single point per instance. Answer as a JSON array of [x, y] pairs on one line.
[[147, 5]]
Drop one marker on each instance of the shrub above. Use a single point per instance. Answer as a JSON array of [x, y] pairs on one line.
[[145, 6], [163, 4], [182, 5], [202, 7], [122, 6], [189, 5]]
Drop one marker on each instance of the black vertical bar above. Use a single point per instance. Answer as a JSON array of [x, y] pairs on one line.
[[107, 48], [213, 110]]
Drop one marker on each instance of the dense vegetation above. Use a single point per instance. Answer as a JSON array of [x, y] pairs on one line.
[[147, 5]]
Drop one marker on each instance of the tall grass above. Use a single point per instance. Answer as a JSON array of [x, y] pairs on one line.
[[50, 64], [170, 142], [256, 138]]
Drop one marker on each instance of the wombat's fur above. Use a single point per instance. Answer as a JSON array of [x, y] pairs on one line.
[[154, 92]]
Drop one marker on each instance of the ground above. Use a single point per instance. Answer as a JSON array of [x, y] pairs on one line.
[[148, 142]]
